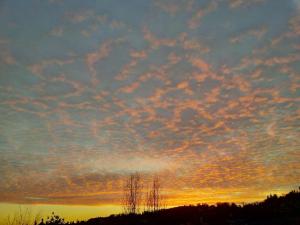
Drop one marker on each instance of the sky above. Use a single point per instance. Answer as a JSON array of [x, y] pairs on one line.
[[204, 94]]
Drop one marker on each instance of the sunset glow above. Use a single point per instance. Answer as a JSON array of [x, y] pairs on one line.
[[204, 94]]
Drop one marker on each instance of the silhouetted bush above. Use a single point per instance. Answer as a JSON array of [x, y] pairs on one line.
[[53, 220]]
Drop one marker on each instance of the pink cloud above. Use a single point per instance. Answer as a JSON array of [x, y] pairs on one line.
[[194, 22]]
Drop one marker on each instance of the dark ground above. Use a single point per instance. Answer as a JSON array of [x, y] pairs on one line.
[[283, 210]]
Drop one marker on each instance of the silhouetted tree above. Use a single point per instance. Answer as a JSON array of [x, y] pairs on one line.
[[132, 194], [153, 198]]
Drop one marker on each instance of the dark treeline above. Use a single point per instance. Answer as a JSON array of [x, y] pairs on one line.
[[274, 210]]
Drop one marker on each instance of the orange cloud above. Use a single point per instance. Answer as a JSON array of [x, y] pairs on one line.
[[79, 16], [201, 64], [243, 3], [257, 33], [194, 22], [156, 42], [130, 88], [93, 57]]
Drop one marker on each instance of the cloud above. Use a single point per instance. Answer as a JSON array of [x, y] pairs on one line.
[[131, 88], [6, 55], [39, 67], [157, 42], [243, 3], [57, 31], [174, 7], [7, 58], [193, 44], [282, 60], [257, 33], [194, 22], [79, 16], [169, 7], [93, 57], [271, 129], [201, 64], [297, 3], [136, 58], [294, 26]]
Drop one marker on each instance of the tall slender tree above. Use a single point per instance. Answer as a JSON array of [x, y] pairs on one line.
[[132, 194], [153, 197]]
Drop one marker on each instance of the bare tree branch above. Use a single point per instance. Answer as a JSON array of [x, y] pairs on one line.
[[154, 197], [132, 194]]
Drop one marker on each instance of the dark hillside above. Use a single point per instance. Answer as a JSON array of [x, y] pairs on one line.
[[283, 210]]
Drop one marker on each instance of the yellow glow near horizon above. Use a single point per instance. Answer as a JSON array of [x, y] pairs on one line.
[[68, 212], [85, 212]]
